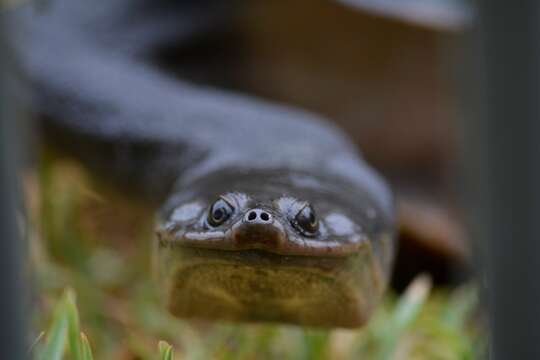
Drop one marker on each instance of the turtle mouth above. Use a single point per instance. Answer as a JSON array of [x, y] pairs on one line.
[[271, 238]]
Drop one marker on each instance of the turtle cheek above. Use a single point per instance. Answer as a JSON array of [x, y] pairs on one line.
[[341, 225], [187, 213]]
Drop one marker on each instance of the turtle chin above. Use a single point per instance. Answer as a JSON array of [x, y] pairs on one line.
[[239, 279]]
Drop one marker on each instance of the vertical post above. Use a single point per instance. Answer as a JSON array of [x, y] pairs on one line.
[[503, 140], [12, 323]]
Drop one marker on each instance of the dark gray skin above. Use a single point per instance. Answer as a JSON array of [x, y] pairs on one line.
[[305, 233]]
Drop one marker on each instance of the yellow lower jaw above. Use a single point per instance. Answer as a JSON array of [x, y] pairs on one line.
[[254, 286]]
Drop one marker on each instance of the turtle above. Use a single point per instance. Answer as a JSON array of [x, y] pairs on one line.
[[267, 212]]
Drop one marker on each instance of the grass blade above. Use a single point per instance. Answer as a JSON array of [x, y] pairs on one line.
[[165, 351], [36, 343], [56, 336], [74, 344], [86, 350], [315, 344], [405, 313]]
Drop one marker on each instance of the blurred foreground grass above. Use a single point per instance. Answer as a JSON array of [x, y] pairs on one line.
[[98, 244]]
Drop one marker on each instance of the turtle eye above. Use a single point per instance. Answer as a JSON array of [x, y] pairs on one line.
[[220, 211], [306, 221]]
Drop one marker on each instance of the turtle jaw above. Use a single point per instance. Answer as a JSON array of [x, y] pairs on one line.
[[256, 285], [261, 272]]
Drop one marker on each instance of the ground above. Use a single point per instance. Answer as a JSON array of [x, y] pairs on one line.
[[88, 239]]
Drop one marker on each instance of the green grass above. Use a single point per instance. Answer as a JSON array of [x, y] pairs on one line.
[[96, 245]]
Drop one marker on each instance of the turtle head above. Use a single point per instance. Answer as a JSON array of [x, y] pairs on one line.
[[274, 246]]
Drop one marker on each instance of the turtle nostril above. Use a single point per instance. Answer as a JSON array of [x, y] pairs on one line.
[[264, 216], [258, 216], [252, 216]]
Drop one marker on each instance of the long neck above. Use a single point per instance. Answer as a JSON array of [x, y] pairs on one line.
[[103, 100]]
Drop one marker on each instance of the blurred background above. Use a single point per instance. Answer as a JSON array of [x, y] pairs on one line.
[[383, 76]]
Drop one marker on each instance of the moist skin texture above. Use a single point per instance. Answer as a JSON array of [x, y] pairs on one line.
[[185, 146]]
